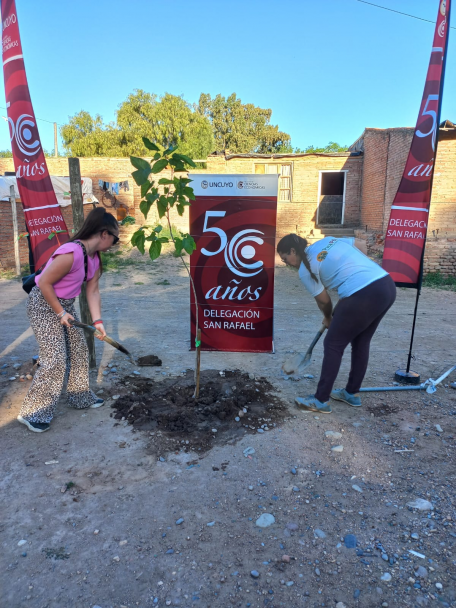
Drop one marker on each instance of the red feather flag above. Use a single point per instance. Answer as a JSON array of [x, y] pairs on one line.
[[43, 215], [407, 226]]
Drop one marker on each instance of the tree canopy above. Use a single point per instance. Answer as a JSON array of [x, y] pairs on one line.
[[212, 124], [331, 148], [167, 121], [240, 127]]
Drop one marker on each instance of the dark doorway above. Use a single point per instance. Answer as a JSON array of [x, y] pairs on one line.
[[331, 203]]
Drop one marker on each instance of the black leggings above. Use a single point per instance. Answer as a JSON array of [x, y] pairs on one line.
[[355, 321]]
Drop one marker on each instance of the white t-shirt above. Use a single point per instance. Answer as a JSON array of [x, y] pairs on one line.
[[337, 264]]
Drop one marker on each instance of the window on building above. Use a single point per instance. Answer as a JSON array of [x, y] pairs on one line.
[[284, 170], [332, 197]]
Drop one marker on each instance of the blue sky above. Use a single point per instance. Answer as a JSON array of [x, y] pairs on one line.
[[326, 69]]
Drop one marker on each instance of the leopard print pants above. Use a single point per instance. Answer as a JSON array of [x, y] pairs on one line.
[[63, 356]]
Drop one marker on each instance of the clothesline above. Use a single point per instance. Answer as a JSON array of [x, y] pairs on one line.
[[114, 187]]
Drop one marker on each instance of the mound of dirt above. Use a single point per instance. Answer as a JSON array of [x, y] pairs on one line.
[[228, 407]]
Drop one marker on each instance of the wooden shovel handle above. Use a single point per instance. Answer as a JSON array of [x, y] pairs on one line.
[[321, 331]]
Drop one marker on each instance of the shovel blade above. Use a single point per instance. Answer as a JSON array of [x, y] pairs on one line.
[[304, 365], [293, 363]]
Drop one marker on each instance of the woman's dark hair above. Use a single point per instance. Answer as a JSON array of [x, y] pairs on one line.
[[97, 221], [293, 241]]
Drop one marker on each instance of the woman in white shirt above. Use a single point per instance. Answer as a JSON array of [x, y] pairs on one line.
[[366, 292]]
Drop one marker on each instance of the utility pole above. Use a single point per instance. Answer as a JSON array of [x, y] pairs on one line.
[[78, 220], [56, 150], [15, 231]]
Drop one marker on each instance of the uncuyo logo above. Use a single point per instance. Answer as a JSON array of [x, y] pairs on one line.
[[204, 184], [235, 259], [9, 20], [240, 185], [23, 134]]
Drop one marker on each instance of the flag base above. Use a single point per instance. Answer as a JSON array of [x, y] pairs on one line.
[[407, 377]]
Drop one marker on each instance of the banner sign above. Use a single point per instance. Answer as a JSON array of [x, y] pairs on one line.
[[407, 227], [233, 222], [41, 209]]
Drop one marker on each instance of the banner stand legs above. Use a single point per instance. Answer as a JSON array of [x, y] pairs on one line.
[[405, 376], [429, 385]]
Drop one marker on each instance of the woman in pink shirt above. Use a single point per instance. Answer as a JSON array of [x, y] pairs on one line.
[[50, 307]]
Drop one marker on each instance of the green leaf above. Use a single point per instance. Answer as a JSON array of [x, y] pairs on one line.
[[184, 159], [155, 250], [178, 244], [144, 169], [158, 228], [162, 205], [157, 156], [184, 180], [149, 145], [170, 150], [146, 187], [159, 165], [189, 244], [138, 239], [183, 201], [163, 239], [177, 164], [165, 181], [152, 196], [189, 193], [144, 207], [180, 209]]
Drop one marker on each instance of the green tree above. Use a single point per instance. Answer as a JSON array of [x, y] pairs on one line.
[[241, 128], [331, 148], [168, 121], [167, 193], [85, 135]]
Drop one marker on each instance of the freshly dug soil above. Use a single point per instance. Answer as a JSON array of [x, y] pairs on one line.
[[168, 410], [151, 360]]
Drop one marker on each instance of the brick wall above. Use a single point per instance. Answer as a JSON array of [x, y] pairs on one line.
[[372, 181], [107, 169], [439, 253], [440, 256], [385, 155], [6, 231], [300, 214], [376, 143]]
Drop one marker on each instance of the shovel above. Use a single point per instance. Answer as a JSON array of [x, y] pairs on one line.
[[107, 339], [299, 362]]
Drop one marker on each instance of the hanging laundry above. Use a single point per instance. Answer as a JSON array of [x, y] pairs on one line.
[[100, 183], [105, 186], [115, 188]]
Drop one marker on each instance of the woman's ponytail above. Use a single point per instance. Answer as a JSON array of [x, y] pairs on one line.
[[293, 241]]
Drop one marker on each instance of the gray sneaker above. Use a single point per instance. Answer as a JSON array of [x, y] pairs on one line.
[[35, 427], [312, 404], [340, 394]]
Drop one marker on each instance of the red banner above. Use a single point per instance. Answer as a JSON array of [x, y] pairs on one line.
[[42, 211], [407, 227], [233, 222]]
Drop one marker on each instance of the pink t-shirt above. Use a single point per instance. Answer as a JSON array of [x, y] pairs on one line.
[[70, 285]]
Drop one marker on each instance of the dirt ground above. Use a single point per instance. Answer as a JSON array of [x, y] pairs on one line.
[[112, 515]]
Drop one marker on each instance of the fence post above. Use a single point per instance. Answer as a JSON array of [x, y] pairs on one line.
[[78, 220], [15, 231]]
